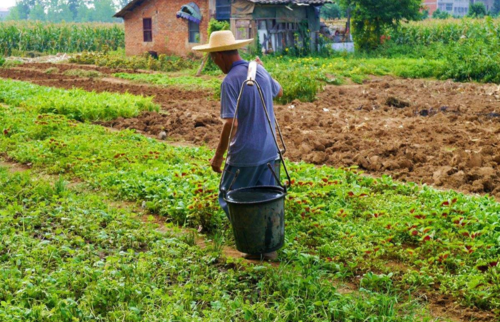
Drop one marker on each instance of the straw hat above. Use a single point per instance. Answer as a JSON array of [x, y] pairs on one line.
[[221, 41]]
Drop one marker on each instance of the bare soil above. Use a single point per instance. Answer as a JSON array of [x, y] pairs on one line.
[[443, 134]]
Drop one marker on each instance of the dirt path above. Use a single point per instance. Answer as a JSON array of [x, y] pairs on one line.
[[438, 133]]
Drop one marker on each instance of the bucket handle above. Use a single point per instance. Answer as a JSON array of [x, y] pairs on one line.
[[278, 179], [222, 189]]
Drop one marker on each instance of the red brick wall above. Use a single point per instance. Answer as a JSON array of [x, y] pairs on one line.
[[170, 34], [430, 5]]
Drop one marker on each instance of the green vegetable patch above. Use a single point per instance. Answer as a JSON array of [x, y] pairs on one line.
[[185, 82], [68, 256], [76, 104]]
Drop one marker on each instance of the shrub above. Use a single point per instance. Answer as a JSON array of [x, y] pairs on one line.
[[163, 63], [298, 84]]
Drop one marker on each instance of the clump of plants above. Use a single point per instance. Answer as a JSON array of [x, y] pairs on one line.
[[162, 63], [83, 73]]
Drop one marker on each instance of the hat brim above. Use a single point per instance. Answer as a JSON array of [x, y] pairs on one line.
[[236, 45]]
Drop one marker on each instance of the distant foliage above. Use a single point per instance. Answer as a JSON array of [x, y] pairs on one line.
[[469, 47], [59, 38], [438, 14], [66, 10], [496, 8], [448, 31], [477, 10], [371, 18], [332, 11]]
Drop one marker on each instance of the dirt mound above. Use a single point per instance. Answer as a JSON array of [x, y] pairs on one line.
[[443, 134]]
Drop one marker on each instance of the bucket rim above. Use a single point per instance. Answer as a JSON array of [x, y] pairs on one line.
[[282, 191]]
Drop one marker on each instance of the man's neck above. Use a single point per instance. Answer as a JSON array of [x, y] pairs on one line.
[[232, 59]]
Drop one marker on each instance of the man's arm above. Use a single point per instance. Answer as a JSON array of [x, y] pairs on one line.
[[280, 93], [216, 161]]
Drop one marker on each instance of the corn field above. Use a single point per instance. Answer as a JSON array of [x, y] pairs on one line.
[[17, 37], [446, 31]]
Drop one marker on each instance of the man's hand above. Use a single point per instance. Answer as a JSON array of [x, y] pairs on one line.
[[216, 164], [258, 61]]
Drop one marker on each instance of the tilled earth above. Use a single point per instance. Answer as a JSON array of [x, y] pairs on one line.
[[443, 134]]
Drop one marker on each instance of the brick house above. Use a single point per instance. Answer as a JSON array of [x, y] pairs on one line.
[[175, 26], [457, 8]]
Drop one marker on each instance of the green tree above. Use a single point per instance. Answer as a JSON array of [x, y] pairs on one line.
[[425, 14], [104, 11], [496, 8], [123, 3], [332, 11], [22, 9], [477, 10], [371, 18], [438, 14], [14, 14], [38, 13]]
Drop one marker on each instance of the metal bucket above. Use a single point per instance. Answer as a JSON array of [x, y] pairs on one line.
[[257, 215]]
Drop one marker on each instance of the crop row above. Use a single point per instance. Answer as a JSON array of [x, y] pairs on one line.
[[16, 38], [348, 224], [77, 104], [187, 82], [445, 31]]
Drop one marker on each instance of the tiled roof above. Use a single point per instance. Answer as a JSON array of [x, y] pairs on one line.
[[128, 8], [296, 2], [133, 4]]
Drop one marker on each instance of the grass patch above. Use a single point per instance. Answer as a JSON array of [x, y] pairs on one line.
[[83, 73], [75, 103], [185, 82]]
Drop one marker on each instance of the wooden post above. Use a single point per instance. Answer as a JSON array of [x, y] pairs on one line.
[[203, 62]]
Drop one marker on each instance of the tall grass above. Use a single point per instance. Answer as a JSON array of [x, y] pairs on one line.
[[52, 38], [445, 31]]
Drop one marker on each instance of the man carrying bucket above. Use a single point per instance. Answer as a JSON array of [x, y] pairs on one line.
[[252, 146]]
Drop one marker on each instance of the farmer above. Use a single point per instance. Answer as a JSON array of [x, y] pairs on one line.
[[252, 146]]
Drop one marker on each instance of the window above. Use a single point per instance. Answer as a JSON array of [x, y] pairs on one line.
[[222, 9], [194, 31], [147, 28], [449, 7]]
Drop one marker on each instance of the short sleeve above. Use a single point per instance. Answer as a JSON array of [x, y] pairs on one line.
[[275, 87], [228, 98]]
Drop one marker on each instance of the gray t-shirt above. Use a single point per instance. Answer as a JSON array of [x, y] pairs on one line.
[[253, 144]]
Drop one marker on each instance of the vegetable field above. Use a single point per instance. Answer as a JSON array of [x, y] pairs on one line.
[[109, 210], [20, 37], [340, 226]]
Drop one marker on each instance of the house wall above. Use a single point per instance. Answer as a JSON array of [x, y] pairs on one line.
[[431, 5], [454, 7], [275, 26], [170, 34]]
